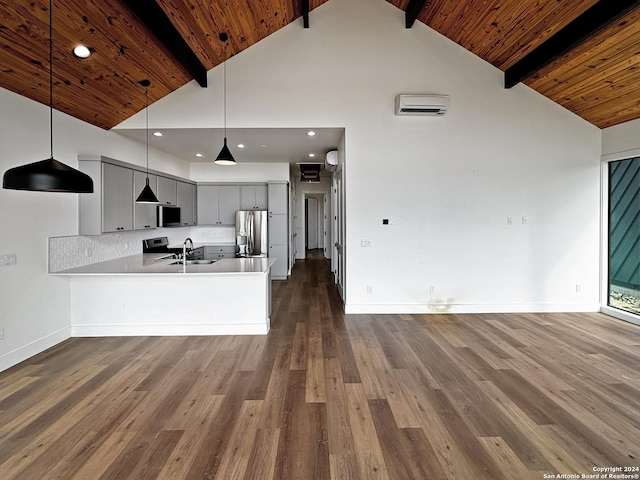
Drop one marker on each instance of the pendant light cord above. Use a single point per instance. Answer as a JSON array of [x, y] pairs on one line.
[[146, 110], [225, 90], [51, 75]]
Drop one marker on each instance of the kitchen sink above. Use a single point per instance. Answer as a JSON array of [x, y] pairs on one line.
[[195, 262]]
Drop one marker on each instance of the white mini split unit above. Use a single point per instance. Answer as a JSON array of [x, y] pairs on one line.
[[331, 161], [427, 105]]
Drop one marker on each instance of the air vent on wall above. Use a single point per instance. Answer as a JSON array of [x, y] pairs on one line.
[[434, 105]]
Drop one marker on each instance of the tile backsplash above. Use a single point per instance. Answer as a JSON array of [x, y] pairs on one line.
[[77, 251]]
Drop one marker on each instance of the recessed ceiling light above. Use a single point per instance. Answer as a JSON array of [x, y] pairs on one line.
[[311, 155], [198, 155], [82, 51], [311, 133], [157, 134], [241, 145]]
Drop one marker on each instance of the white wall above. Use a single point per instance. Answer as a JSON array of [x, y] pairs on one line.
[[448, 183], [246, 172], [621, 141], [34, 307]]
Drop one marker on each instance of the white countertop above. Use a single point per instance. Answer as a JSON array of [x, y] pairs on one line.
[[152, 263]]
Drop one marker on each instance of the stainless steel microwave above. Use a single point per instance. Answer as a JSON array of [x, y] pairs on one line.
[[168, 216]]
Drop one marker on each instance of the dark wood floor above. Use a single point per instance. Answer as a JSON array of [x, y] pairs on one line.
[[329, 396]]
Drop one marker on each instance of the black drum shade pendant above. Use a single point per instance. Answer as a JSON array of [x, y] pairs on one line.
[[225, 157], [48, 175], [147, 195]]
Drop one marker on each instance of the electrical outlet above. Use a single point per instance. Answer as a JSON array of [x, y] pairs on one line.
[[578, 288], [509, 221], [432, 288], [369, 289], [525, 220], [9, 259], [365, 243], [88, 252]]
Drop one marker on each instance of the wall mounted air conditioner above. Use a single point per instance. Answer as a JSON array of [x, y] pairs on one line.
[[422, 104], [331, 161]]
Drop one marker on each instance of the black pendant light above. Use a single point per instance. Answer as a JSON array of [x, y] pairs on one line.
[[225, 157], [48, 175], [147, 195]]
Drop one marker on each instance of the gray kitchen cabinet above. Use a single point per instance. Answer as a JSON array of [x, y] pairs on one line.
[[253, 197], [116, 185], [117, 198], [278, 229], [280, 269], [110, 207], [144, 214], [215, 252], [278, 198], [186, 200], [278, 195], [207, 200], [228, 204], [217, 204], [167, 191]]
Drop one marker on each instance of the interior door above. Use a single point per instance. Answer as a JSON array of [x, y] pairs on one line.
[[312, 223]]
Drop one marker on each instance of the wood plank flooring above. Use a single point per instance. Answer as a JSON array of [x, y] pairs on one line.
[[329, 396]]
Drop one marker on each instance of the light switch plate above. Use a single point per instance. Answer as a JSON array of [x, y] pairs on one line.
[[9, 259]]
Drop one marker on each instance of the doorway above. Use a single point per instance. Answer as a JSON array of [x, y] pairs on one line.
[[311, 220], [314, 224]]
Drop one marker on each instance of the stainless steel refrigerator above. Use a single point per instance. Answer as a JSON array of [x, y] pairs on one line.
[[251, 233]]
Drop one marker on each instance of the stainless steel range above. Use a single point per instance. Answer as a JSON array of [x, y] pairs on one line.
[[159, 245]]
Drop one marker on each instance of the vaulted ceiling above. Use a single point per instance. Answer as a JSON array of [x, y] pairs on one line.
[[597, 78]]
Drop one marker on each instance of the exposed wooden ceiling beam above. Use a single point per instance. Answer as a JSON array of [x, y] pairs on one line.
[[412, 12], [599, 16], [305, 13], [152, 15]]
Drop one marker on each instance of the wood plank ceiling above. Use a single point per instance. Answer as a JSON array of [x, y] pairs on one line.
[[596, 80]]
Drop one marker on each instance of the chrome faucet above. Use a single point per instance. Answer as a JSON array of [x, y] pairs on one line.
[[184, 248], [184, 253]]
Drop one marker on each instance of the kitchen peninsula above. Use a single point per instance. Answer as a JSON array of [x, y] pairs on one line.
[[147, 295]]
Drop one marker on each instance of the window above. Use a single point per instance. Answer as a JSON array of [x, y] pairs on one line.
[[624, 235]]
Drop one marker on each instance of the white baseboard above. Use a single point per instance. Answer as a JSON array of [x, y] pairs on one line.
[[21, 354], [621, 314], [168, 330], [470, 308]]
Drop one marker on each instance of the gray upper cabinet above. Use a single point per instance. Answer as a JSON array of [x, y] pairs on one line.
[[117, 198], [253, 197], [167, 191], [229, 202], [187, 203], [207, 205], [144, 214], [116, 185], [278, 194], [217, 204]]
